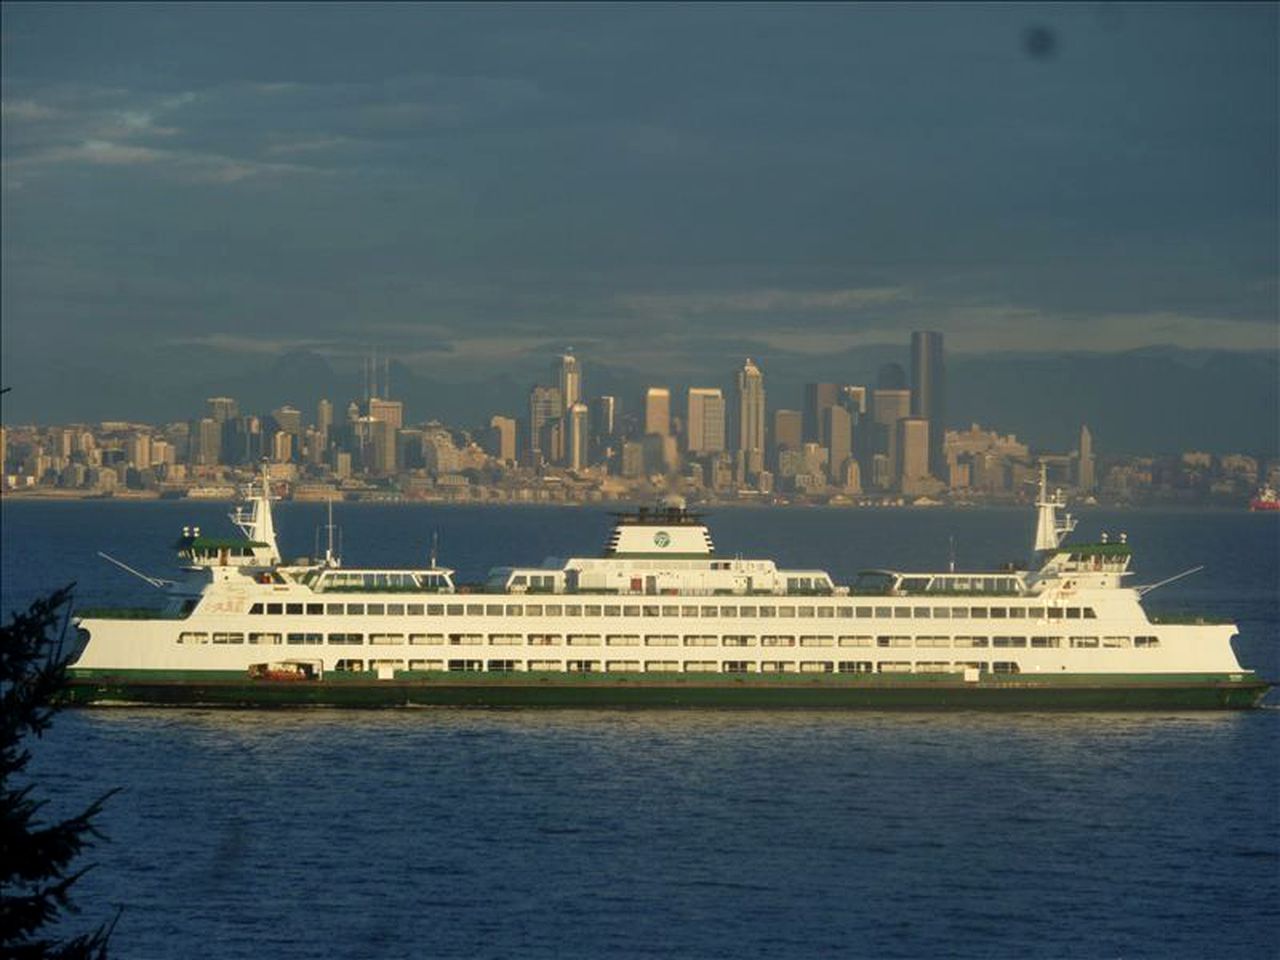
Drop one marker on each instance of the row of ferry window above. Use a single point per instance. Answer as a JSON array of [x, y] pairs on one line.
[[666, 640], [671, 610], [685, 666]]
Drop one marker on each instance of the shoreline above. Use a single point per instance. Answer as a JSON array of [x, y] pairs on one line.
[[142, 497]]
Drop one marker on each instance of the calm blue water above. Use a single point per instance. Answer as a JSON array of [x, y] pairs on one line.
[[442, 833]]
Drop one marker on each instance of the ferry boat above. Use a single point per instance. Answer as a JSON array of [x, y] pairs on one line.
[[659, 619], [1266, 500]]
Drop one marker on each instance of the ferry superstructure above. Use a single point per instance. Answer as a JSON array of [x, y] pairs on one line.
[[659, 619]]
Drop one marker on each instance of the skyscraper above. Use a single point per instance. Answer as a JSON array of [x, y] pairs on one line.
[[751, 415], [578, 419], [545, 405], [388, 411], [324, 420], [928, 393], [222, 409], [837, 427], [1084, 465], [888, 406], [854, 399], [705, 426], [287, 420], [913, 453], [657, 411], [788, 433], [502, 439], [567, 375], [817, 398]]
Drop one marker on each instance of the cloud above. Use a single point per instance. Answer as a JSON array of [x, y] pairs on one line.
[[762, 301], [26, 110]]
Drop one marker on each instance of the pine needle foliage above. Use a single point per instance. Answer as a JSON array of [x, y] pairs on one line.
[[37, 858]]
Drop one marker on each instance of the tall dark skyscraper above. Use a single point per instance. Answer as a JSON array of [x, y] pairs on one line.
[[818, 397], [928, 392]]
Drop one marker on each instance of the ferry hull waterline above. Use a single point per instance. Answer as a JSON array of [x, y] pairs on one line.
[[660, 620]]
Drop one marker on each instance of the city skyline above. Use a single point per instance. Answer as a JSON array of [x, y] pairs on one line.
[[186, 195]]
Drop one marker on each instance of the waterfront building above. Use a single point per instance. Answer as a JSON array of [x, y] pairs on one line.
[[501, 443], [928, 392], [818, 397], [751, 416], [657, 411], [851, 477], [705, 424]]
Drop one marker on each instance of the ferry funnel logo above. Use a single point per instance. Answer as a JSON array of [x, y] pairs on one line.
[[662, 538]]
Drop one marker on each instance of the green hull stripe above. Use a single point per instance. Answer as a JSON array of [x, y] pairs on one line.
[[921, 692]]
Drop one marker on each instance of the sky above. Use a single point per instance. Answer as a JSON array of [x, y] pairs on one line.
[[195, 189]]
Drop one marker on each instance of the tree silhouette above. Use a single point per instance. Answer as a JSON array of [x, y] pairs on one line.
[[36, 858]]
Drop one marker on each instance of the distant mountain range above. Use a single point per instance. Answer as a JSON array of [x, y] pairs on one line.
[[1151, 400]]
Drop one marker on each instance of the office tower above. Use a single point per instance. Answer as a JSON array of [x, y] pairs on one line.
[[632, 459], [222, 409], [340, 463], [315, 446], [928, 392], [382, 446], [888, 406], [788, 431], [854, 399], [851, 477], [837, 427], [891, 376], [324, 420], [288, 419], [388, 411], [440, 455], [604, 417], [705, 428], [139, 451], [282, 447], [751, 416], [545, 406], [567, 374], [502, 439], [579, 432], [913, 454], [205, 442], [1084, 465], [657, 411], [817, 398]]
